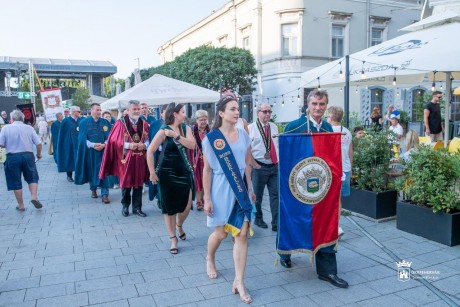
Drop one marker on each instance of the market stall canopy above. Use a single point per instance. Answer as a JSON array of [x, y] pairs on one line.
[[411, 58], [160, 90]]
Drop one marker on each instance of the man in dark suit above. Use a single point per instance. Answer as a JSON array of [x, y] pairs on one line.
[[325, 258]]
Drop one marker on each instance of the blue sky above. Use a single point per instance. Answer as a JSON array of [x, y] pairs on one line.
[[113, 30]]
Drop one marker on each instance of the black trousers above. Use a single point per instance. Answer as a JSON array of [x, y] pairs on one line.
[[266, 176], [326, 263], [136, 199]]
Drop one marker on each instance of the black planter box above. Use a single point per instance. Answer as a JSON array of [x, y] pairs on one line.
[[440, 227], [374, 205]]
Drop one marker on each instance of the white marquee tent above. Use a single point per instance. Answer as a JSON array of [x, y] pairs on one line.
[[160, 90]]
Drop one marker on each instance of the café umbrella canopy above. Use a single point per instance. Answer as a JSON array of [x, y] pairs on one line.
[[427, 55]]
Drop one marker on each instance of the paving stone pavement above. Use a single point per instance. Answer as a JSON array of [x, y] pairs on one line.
[[78, 252]]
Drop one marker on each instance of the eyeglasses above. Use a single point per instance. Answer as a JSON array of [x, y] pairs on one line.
[[266, 111]]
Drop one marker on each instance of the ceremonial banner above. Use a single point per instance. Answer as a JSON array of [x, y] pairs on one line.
[[52, 103], [310, 171], [29, 113]]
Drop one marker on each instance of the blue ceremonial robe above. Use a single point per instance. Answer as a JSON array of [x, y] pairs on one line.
[[300, 126], [153, 130], [55, 126], [67, 144], [89, 160], [150, 119]]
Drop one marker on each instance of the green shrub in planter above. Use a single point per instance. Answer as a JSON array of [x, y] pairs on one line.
[[430, 178], [371, 158]]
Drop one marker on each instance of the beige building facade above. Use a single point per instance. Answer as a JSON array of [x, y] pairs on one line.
[[288, 37]]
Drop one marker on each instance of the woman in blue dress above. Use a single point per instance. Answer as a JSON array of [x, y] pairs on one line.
[[219, 198]]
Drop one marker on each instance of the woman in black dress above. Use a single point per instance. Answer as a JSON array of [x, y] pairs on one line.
[[173, 173], [376, 119]]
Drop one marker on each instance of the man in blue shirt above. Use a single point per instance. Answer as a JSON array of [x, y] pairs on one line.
[[19, 140]]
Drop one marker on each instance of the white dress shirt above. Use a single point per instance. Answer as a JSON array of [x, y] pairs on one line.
[[258, 148]]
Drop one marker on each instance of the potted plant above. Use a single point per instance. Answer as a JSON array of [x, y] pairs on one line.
[[370, 193], [431, 204]]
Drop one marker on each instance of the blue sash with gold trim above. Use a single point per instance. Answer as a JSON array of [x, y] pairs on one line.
[[243, 206]]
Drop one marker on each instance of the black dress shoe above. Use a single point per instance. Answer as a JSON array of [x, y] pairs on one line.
[[274, 228], [260, 223], [286, 263], [125, 211], [334, 280], [69, 179], [93, 194], [139, 212]]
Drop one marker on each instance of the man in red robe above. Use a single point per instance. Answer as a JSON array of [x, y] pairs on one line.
[[125, 157]]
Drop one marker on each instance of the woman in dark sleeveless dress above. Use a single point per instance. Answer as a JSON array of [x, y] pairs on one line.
[[174, 173], [376, 119]]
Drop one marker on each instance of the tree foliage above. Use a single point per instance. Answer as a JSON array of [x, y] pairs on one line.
[[210, 67], [80, 98]]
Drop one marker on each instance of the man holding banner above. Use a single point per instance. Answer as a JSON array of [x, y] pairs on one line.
[[309, 200]]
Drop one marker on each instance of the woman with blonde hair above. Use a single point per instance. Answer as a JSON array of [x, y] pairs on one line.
[[376, 119], [412, 144], [199, 130]]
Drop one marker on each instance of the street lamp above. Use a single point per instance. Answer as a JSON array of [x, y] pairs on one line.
[[8, 78]]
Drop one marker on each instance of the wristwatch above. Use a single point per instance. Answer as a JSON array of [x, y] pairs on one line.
[[177, 138]]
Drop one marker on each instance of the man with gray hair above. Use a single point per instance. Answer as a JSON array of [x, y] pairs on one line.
[[5, 118], [264, 147], [125, 157], [68, 143], [19, 140]]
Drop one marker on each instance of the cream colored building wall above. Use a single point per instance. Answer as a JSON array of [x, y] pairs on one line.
[[262, 20]]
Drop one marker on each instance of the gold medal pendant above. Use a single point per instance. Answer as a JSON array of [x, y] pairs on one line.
[[136, 137], [267, 155]]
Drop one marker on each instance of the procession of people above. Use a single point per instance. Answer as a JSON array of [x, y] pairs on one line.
[[223, 170]]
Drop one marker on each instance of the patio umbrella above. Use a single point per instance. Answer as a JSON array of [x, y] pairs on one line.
[[430, 54]]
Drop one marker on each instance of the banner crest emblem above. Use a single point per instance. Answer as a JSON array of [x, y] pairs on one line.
[[310, 180]]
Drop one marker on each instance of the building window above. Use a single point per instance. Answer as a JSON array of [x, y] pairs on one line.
[[377, 99], [338, 41], [377, 36], [246, 43], [289, 39], [418, 105]]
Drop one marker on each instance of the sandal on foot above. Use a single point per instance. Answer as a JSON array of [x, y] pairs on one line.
[[211, 275], [182, 236], [174, 250], [244, 297], [20, 209], [199, 205], [37, 204]]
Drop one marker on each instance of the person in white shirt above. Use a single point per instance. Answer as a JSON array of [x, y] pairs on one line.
[[396, 127], [335, 115], [264, 149], [42, 129]]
